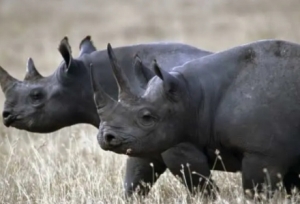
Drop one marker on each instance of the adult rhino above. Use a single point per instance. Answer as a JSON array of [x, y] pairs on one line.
[[244, 100], [46, 104]]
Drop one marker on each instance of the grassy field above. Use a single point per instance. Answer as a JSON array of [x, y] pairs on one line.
[[68, 166]]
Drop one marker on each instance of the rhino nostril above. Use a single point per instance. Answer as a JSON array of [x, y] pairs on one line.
[[112, 140], [6, 114], [109, 137]]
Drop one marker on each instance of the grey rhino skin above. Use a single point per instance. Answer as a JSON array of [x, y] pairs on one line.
[[244, 100], [46, 104]]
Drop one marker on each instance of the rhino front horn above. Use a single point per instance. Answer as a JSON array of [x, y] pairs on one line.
[[6, 80], [101, 99], [31, 71], [125, 89]]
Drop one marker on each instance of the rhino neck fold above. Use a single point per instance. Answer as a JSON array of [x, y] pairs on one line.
[[94, 120], [207, 82], [86, 116]]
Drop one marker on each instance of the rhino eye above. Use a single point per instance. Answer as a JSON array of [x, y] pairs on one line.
[[36, 96], [147, 119]]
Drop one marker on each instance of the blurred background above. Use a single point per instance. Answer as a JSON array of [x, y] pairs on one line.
[[32, 28]]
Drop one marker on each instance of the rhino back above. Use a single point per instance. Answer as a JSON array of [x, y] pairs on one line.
[[265, 98], [168, 55], [251, 95]]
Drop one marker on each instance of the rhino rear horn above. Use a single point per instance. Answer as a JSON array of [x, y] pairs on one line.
[[170, 83], [143, 73], [66, 52], [6, 80], [101, 99], [125, 91], [31, 71], [86, 46]]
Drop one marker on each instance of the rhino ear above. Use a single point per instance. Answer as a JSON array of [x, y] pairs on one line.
[[143, 73], [31, 71], [86, 46], [66, 52], [170, 83]]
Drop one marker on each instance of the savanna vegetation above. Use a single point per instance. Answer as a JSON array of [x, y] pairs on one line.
[[68, 166]]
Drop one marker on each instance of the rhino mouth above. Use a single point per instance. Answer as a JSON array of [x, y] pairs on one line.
[[120, 147], [10, 120], [115, 141], [123, 147], [109, 147]]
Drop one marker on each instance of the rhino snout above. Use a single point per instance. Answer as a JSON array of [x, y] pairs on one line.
[[8, 117], [110, 140]]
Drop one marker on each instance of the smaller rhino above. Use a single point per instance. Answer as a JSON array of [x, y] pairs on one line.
[[244, 100], [46, 104]]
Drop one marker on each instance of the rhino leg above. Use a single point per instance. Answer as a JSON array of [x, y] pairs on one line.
[[258, 170], [291, 180], [191, 165], [141, 174], [227, 161]]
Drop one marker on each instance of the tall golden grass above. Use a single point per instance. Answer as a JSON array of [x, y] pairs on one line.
[[68, 166]]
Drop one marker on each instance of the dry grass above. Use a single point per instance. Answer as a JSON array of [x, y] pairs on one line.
[[68, 166]]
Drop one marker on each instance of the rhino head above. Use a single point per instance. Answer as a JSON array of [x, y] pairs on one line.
[[141, 124], [45, 104]]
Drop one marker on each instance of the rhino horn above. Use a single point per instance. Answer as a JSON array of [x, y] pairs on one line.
[[143, 73], [86, 46], [6, 80], [125, 91], [66, 52], [170, 83], [31, 71], [101, 99]]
